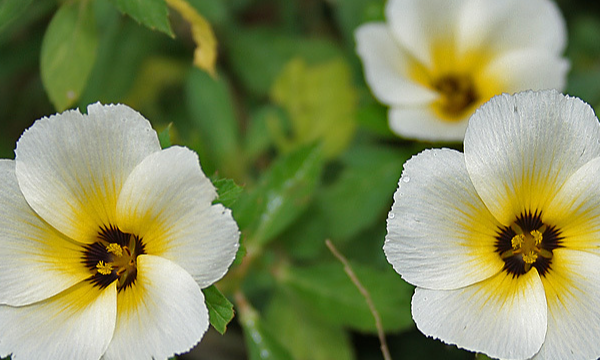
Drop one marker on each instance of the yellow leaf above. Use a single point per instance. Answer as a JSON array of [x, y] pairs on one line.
[[205, 55]]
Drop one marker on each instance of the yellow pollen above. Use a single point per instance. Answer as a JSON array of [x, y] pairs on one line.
[[527, 244], [115, 249], [104, 269], [517, 241], [537, 237], [530, 257]]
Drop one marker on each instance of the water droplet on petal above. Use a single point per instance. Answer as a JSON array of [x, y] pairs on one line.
[[405, 179], [391, 216]]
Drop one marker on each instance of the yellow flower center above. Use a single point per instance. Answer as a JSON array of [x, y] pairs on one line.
[[459, 79], [113, 257], [527, 243]]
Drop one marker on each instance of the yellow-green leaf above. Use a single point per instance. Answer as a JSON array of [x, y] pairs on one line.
[[321, 103], [68, 53], [205, 55]]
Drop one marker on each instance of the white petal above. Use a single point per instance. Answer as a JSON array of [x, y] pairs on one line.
[[423, 124], [573, 292], [71, 166], [162, 314], [75, 324], [440, 235], [575, 210], [520, 149], [503, 317], [36, 261], [167, 201], [387, 67], [512, 24], [418, 24], [529, 69]]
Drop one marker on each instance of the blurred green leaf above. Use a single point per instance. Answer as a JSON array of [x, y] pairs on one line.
[[220, 310], [164, 137], [584, 53], [296, 328], [284, 192], [303, 240], [258, 139], [349, 14], [228, 192], [374, 117], [216, 12], [363, 191], [153, 14], [68, 53], [10, 10], [258, 55], [212, 108], [327, 289], [260, 341], [321, 102]]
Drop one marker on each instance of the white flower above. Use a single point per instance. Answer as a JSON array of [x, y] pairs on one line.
[[503, 242], [106, 241], [435, 61]]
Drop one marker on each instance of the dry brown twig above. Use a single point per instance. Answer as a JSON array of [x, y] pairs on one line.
[[365, 294]]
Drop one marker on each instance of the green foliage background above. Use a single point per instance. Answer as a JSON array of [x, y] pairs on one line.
[[287, 130]]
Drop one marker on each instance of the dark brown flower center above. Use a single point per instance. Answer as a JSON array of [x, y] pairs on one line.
[[527, 243], [113, 257], [458, 93]]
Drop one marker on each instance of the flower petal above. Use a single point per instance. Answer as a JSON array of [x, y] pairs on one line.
[[440, 235], [575, 210], [71, 166], [387, 67], [418, 24], [423, 124], [161, 314], [504, 316], [75, 324], [528, 69], [572, 291], [520, 149], [36, 261], [167, 201], [512, 24]]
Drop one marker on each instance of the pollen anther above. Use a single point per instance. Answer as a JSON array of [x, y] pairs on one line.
[[115, 249], [104, 269]]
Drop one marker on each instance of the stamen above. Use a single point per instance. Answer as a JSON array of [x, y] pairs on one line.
[[115, 249], [104, 269], [517, 241], [530, 257], [527, 243]]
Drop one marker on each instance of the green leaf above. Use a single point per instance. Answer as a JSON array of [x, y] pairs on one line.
[[296, 327], [258, 55], [363, 192], [68, 53], [328, 290], [285, 190], [10, 10], [153, 14], [260, 341], [321, 102], [349, 14], [164, 137], [210, 103], [220, 310], [228, 192], [258, 139]]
